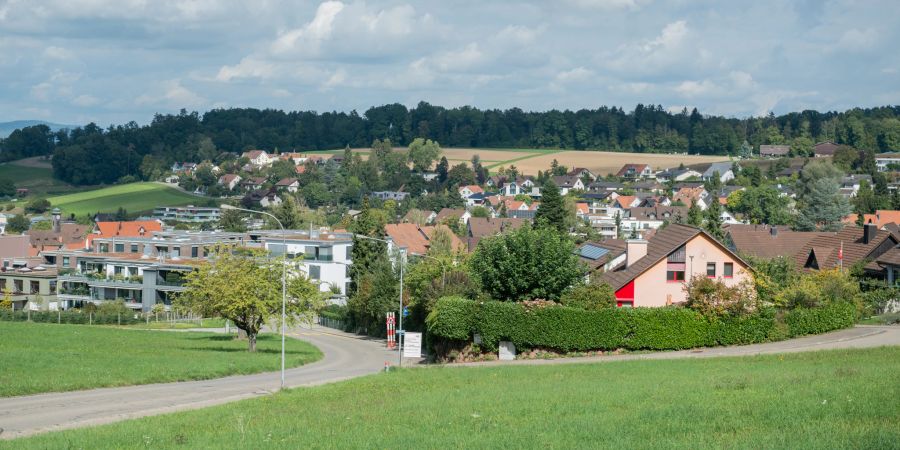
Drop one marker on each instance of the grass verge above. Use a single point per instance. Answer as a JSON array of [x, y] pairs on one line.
[[163, 325], [37, 357], [829, 399]]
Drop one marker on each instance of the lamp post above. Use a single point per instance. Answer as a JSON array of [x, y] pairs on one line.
[[443, 268], [400, 324], [283, 276]]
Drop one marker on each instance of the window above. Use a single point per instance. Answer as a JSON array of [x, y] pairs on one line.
[[120, 248], [675, 265], [134, 248], [65, 261], [118, 270], [315, 272], [104, 248], [176, 252], [728, 270], [625, 304], [195, 252], [711, 269], [675, 275], [35, 287]]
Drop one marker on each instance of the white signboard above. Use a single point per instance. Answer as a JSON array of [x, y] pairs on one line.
[[412, 345]]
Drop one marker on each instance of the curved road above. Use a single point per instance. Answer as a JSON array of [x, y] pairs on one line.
[[345, 356]]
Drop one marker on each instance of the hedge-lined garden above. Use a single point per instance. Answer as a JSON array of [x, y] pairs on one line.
[[71, 317], [456, 320]]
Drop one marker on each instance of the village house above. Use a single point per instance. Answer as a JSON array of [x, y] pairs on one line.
[[258, 158], [655, 271], [582, 173], [467, 191], [677, 175], [296, 158], [416, 239], [567, 183], [449, 214], [603, 256], [230, 181], [767, 242], [845, 248], [723, 169], [397, 196], [289, 184], [252, 184], [480, 227], [638, 221], [691, 195], [774, 151], [885, 161], [881, 218], [824, 149], [635, 171]]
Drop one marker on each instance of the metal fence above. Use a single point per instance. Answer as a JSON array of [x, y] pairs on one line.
[[331, 323]]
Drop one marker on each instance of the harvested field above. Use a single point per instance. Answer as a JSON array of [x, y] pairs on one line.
[[602, 163]]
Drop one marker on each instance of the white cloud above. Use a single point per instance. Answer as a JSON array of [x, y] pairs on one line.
[[858, 40], [172, 94], [672, 35], [58, 53], [692, 88], [336, 79], [85, 100], [313, 32], [575, 75], [248, 68], [605, 4]]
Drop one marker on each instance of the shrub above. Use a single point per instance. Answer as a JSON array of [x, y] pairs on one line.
[[335, 312], [802, 321], [71, 317], [589, 296], [713, 298], [821, 288], [541, 324]]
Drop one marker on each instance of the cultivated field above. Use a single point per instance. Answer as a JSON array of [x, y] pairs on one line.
[[134, 197], [41, 357], [529, 161], [833, 399]]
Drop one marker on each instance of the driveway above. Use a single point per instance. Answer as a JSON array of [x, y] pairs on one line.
[[345, 356]]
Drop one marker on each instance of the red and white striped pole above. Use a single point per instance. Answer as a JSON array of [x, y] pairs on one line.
[[390, 330]]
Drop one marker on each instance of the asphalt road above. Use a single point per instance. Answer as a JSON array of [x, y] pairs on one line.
[[345, 357]]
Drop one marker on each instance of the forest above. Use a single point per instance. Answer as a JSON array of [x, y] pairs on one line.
[[94, 155]]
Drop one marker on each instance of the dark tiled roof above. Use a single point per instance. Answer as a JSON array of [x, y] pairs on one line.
[[658, 212], [891, 257], [826, 247], [480, 227], [825, 148], [664, 242], [758, 240], [774, 150], [447, 213], [615, 247]]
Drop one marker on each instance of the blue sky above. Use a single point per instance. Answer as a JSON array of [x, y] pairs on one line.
[[74, 61]]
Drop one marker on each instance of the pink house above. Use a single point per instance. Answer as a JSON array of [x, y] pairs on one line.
[[655, 272]]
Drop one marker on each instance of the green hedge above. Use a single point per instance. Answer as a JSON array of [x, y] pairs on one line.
[[569, 329], [73, 317], [802, 321]]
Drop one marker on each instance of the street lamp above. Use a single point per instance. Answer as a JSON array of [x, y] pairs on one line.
[[283, 276], [443, 268], [400, 325]]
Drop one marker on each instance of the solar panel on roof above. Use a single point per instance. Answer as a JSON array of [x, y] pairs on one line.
[[592, 252]]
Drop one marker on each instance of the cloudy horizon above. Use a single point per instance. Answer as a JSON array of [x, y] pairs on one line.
[[78, 61]]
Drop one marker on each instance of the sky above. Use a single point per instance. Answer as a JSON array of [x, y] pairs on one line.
[[76, 61]]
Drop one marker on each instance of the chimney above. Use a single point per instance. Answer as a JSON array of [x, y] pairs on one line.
[[773, 231], [635, 249], [869, 231], [56, 225]]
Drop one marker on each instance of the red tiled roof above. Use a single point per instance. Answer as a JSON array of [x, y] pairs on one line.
[[417, 239]]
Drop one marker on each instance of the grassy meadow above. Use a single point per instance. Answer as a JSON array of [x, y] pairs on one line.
[[829, 399], [37, 178], [37, 357], [134, 197]]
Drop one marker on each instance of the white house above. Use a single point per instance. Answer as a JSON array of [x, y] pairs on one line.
[[230, 181], [467, 191], [884, 160], [722, 168], [321, 256], [568, 183], [290, 184], [258, 158]]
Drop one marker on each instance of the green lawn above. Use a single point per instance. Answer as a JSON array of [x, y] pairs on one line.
[[134, 197], [163, 325], [38, 180], [48, 357], [835, 399]]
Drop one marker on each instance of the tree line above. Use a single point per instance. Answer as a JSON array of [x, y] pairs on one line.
[[93, 155]]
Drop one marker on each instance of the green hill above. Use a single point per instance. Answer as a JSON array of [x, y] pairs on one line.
[[134, 197]]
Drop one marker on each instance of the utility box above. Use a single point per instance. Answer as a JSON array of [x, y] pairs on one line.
[[507, 351]]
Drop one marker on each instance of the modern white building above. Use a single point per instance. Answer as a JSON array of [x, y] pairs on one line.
[[323, 257]]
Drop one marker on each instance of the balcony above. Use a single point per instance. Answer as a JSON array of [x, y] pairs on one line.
[[175, 285]]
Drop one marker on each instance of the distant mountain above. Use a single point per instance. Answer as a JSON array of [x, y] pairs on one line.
[[6, 128]]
